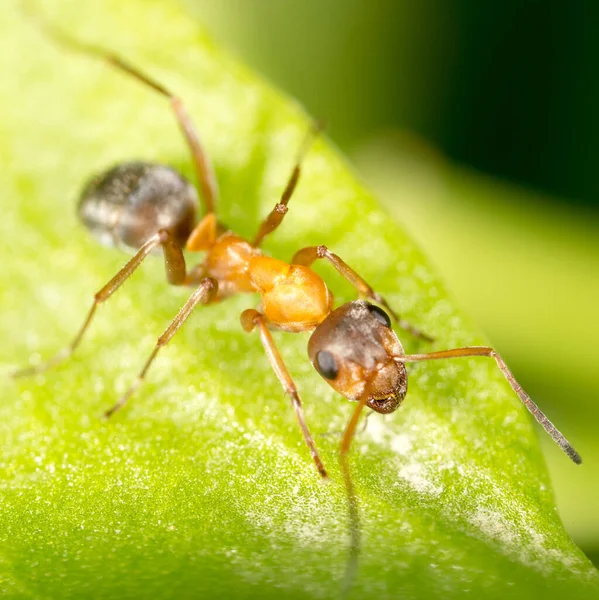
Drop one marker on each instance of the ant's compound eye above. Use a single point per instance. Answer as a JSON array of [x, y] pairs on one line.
[[326, 365], [380, 315]]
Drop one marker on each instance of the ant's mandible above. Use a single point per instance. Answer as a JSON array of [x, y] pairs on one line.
[[147, 206]]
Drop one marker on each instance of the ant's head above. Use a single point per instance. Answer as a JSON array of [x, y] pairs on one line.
[[353, 349]]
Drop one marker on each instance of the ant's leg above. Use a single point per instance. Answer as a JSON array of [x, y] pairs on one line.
[[361, 431], [354, 515], [204, 294], [249, 320], [175, 274], [307, 256], [204, 170], [547, 425], [277, 214]]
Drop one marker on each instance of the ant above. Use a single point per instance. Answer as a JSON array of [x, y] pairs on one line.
[[150, 207]]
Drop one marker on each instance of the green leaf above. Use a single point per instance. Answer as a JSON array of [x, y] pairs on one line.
[[203, 486]]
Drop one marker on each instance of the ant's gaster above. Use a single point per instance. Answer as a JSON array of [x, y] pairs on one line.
[[147, 206]]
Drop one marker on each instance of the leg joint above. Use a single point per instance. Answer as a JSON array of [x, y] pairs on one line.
[[164, 235], [209, 283], [322, 251], [249, 319]]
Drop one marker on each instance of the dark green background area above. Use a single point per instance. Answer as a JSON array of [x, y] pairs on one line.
[[510, 88]]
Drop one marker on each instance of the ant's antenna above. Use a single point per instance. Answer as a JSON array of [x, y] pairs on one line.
[[537, 413]]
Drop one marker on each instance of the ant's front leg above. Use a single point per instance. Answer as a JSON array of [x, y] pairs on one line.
[[351, 568], [175, 273], [250, 319], [308, 255]]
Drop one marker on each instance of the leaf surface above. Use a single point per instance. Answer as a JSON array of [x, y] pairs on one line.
[[203, 486]]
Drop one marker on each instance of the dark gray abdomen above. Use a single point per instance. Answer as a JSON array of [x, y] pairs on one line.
[[127, 204]]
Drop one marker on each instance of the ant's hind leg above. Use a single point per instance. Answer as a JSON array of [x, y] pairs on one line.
[[203, 166], [204, 294], [251, 319], [175, 274], [306, 256]]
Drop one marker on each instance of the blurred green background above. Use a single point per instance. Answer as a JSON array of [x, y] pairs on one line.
[[476, 124]]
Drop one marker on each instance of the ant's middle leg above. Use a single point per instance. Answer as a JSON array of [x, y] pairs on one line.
[[204, 294], [175, 273], [307, 256], [277, 214], [250, 319]]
